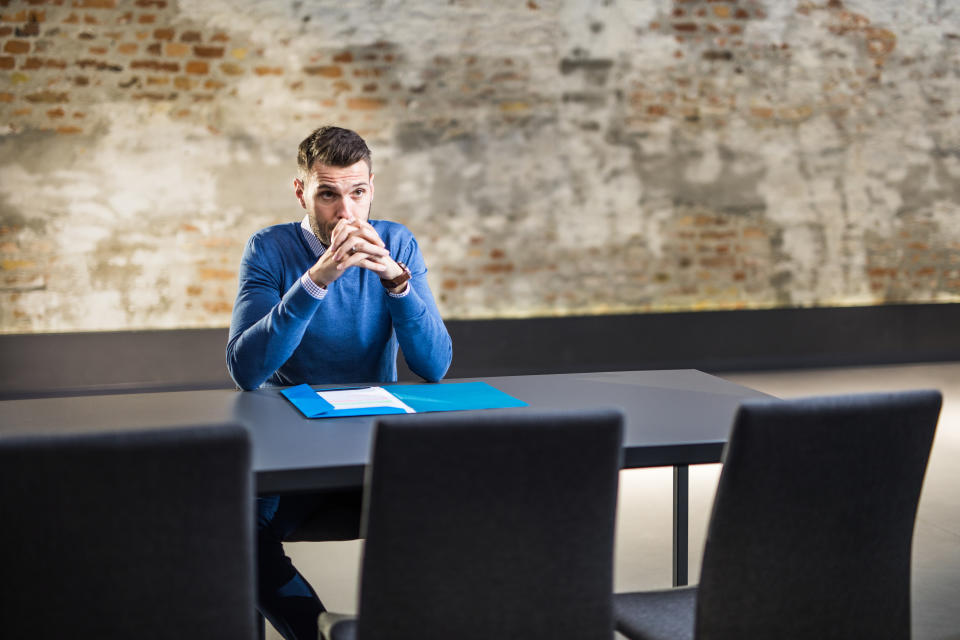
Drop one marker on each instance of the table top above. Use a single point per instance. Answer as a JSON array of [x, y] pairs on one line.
[[672, 417]]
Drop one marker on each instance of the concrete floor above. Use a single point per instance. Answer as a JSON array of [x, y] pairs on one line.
[[644, 520]]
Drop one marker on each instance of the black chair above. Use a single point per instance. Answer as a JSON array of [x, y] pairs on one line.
[[490, 525], [137, 534], [811, 527]]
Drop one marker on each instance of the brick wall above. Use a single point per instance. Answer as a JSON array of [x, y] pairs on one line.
[[552, 157]]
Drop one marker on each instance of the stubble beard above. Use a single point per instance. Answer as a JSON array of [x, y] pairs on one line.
[[323, 231]]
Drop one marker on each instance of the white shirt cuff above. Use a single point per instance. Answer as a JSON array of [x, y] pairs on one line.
[[312, 287], [402, 294]]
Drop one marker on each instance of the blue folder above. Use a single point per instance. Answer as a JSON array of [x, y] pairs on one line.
[[422, 398]]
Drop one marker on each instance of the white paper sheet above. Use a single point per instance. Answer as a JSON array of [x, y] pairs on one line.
[[363, 399]]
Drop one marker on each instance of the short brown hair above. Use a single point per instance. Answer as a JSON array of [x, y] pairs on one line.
[[334, 147]]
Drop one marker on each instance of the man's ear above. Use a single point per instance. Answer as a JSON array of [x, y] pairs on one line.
[[371, 186], [298, 191]]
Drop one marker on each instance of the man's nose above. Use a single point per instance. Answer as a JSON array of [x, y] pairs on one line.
[[345, 208]]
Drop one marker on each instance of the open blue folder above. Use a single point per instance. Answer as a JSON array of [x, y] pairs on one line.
[[453, 396]]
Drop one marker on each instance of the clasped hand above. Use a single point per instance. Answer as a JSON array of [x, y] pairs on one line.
[[354, 243]]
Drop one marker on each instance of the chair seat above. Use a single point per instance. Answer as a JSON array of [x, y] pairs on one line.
[[337, 626], [656, 615]]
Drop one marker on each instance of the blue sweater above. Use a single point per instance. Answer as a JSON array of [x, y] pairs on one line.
[[281, 335]]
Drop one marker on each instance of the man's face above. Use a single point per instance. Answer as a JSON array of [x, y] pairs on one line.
[[331, 194]]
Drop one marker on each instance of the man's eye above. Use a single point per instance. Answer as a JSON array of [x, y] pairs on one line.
[[359, 193], [326, 195]]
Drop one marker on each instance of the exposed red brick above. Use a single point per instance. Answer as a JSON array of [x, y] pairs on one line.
[[497, 268], [89, 19], [16, 46], [208, 52], [177, 49], [28, 30], [6, 97], [268, 71], [685, 27], [98, 51], [95, 4], [184, 83], [5, 31], [220, 37], [68, 129], [146, 4], [147, 18], [155, 65], [217, 274], [163, 34], [218, 307], [197, 67], [128, 48], [345, 57], [190, 36], [231, 69], [56, 113], [7, 62], [366, 104], [324, 71], [156, 97], [24, 16], [47, 96]]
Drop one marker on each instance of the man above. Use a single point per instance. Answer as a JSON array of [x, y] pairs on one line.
[[327, 300]]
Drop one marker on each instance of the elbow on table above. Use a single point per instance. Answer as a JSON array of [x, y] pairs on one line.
[[245, 382], [243, 379], [436, 368]]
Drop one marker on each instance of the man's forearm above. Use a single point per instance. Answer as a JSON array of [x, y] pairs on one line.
[[256, 352]]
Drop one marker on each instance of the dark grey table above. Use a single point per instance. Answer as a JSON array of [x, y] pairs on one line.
[[673, 418]]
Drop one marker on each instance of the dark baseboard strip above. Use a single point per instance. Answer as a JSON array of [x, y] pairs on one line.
[[38, 365]]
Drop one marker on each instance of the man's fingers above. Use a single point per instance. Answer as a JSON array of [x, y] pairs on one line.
[[370, 233], [354, 245], [360, 260]]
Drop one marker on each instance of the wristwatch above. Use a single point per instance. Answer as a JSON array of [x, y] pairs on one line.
[[399, 280]]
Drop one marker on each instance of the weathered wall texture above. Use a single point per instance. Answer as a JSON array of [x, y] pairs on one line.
[[553, 157]]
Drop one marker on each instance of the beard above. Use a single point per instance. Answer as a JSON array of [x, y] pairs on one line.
[[324, 230]]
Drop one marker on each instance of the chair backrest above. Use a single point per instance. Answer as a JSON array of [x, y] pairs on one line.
[[134, 534], [491, 525], [811, 530]]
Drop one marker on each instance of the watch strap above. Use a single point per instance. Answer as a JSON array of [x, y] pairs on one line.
[[399, 280]]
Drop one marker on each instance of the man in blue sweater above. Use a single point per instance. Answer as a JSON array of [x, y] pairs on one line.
[[327, 300]]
